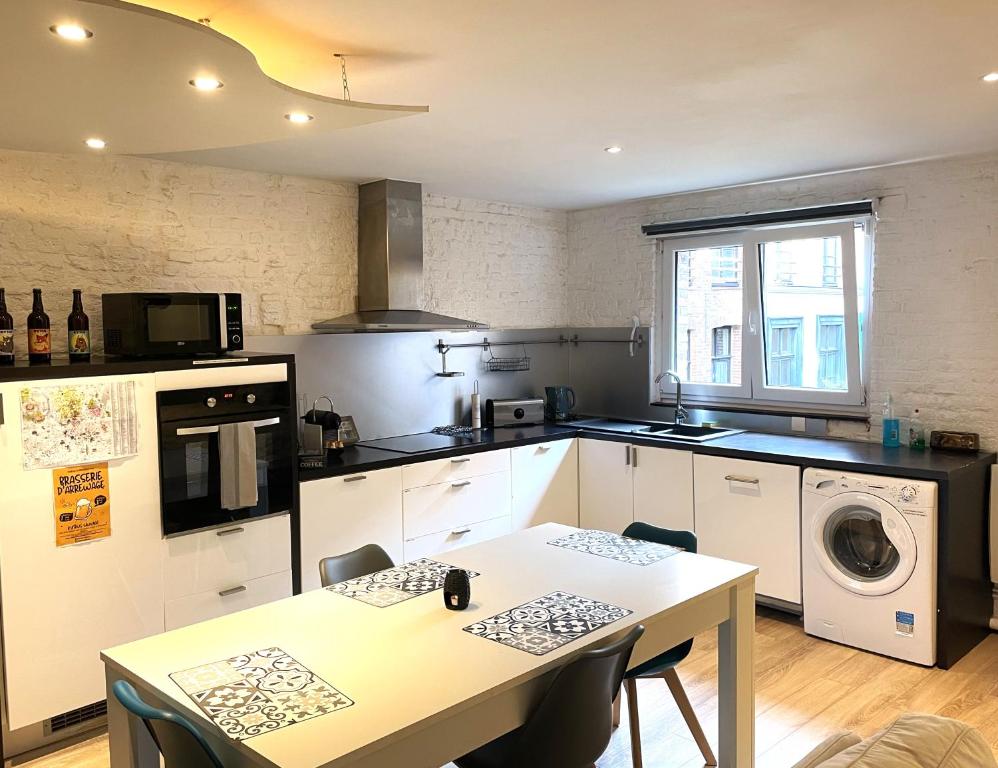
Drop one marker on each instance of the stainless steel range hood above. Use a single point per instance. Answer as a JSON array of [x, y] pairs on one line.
[[390, 265]]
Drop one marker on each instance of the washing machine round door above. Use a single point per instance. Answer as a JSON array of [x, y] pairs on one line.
[[863, 543]]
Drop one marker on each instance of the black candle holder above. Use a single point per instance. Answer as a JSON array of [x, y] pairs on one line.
[[457, 589]]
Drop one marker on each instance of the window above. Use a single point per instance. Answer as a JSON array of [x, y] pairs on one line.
[[702, 306], [725, 267], [831, 352], [769, 315], [784, 360], [831, 269], [721, 356]]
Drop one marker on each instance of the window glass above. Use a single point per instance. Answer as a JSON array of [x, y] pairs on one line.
[[708, 298], [831, 352], [721, 356], [803, 308]]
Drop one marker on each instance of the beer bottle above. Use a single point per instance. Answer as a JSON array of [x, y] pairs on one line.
[[78, 325], [6, 332], [39, 332]]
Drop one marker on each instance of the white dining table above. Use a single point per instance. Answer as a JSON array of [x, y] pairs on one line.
[[425, 691]]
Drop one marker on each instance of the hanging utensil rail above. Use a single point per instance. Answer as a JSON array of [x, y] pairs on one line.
[[635, 339]]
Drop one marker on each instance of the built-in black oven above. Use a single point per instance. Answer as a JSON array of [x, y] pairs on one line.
[[158, 324], [226, 454]]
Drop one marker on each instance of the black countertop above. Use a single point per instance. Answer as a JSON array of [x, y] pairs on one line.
[[361, 458], [61, 368], [826, 453]]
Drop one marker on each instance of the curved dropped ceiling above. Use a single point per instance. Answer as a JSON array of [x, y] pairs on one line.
[[129, 84]]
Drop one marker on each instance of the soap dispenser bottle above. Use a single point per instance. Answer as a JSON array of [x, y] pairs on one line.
[[892, 428]]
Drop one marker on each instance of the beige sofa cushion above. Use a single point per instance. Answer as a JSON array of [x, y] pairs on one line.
[[828, 748], [919, 741]]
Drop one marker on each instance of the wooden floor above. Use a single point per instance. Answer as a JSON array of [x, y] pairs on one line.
[[805, 689]]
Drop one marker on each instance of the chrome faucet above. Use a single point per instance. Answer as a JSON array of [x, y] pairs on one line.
[[681, 413]]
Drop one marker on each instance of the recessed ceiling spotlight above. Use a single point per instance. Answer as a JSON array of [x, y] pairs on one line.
[[990, 77], [614, 150], [71, 31], [299, 117], [206, 83], [95, 143]]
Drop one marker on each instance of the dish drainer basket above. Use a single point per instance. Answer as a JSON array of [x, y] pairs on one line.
[[508, 364]]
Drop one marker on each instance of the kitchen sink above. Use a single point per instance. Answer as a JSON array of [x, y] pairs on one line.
[[686, 432], [689, 432]]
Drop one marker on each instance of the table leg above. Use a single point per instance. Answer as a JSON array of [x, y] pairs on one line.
[[130, 743], [736, 681]]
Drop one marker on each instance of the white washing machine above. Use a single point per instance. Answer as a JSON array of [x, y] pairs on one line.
[[869, 561]]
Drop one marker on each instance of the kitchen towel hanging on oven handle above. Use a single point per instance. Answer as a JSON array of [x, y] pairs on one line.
[[237, 465]]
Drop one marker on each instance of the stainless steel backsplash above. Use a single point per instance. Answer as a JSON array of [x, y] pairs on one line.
[[387, 382]]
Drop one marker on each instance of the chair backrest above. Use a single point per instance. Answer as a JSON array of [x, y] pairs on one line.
[[368, 559], [178, 739], [684, 539], [572, 724]]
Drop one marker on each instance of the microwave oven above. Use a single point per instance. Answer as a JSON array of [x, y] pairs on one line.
[[158, 324]]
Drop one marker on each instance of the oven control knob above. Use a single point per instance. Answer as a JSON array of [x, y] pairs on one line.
[[211, 402], [251, 398]]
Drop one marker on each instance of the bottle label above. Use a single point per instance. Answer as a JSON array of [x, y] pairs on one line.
[[39, 341], [79, 342], [6, 343]]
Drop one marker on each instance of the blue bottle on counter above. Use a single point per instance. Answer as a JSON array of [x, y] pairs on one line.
[[892, 427]]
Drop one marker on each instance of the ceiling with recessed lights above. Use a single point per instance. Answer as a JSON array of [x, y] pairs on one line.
[[526, 96], [115, 77]]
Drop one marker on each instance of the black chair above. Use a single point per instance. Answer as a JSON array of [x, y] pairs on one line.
[[663, 665], [368, 559], [179, 741], [571, 726]]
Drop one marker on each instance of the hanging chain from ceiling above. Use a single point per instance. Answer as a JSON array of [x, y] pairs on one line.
[[343, 73]]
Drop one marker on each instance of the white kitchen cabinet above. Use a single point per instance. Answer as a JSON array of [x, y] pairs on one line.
[[340, 514], [455, 504], [455, 468], [663, 487], [749, 511], [465, 509], [606, 496], [202, 606], [545, 481], [63, 605], [223, 558], [466, 535]]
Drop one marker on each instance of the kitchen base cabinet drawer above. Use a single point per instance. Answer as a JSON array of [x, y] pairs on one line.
[[446, 506], [456, 468], [235, 597], [749, 511], [436, 543], [213, 560]]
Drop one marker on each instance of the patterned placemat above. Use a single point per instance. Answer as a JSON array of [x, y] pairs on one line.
[[395, 585], [615, 547], [258, 692], [547, 623]]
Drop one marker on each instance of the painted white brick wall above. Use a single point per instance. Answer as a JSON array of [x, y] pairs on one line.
[[502, 264], [288, 244], [934, 327]]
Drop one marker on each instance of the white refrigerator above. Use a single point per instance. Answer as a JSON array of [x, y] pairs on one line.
[[62, 604]]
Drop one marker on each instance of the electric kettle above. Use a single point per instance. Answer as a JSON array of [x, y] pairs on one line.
[[559, 402]]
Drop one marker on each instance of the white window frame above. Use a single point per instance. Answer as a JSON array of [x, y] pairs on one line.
[[667, 317], [753, 391]]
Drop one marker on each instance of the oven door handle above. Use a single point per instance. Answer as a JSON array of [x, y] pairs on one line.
[[213, 428]]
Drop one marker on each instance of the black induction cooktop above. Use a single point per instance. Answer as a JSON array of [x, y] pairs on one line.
[[424, 441]]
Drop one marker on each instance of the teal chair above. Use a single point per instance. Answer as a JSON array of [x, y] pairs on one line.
[[664, 665], [179, 741]]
